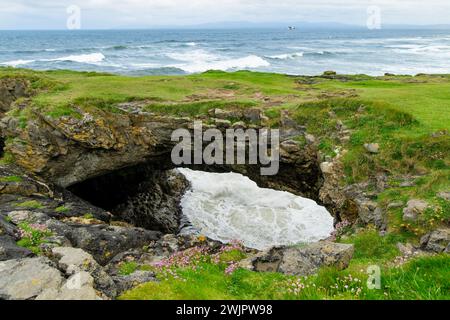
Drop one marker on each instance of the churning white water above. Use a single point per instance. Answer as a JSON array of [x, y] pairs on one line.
[[229, 206]]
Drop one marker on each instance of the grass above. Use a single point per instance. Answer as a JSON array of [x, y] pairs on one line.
[[206, 278], [128, 268], [11, 179], [423, 278], [62, 209], [370, 246], [31, 204]]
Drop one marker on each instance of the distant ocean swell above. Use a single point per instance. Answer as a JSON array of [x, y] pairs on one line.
[[183, 52]]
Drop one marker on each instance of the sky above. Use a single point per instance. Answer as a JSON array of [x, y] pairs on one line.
[[114, 14]]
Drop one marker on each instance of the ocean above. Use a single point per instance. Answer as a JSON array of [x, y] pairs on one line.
[[174, 52]]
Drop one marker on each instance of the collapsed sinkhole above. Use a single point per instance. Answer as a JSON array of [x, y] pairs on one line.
[[222, 206]]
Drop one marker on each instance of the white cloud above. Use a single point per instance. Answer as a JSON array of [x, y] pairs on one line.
[[141, 13]]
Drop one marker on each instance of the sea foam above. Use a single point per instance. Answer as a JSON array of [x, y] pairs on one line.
[[82, 58], [230, 206], [200, 60], [16, 63]]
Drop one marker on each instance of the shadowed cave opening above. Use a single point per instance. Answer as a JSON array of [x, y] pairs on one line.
[[222, 206]]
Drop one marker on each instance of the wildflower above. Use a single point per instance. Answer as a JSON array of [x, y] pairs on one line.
[[231, 268]]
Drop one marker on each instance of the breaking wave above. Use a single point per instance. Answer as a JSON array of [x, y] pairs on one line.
[[230, 206]]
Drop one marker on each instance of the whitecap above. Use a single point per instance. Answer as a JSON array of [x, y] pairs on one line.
[[193, 56], [243, 63], [230, 206], [286, 56], [82, 58], [16, 63]]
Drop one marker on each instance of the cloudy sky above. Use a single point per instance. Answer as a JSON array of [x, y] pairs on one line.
[[52, 14]]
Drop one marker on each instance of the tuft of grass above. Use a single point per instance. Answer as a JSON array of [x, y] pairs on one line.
[[33, 236], [128, 268], [88, 216], [11, 179], [31, 204], [8, 158], [62, 209]]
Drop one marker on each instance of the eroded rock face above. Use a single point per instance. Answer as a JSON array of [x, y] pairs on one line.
[[69, 150], [303, 261], [437, 241], [12, 89]]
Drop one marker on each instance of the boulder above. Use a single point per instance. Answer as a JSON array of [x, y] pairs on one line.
[[253, 115], [310, 139], [23, 279], [10, 250], [27, 216], [103, 241], [239, 125], [73, 261], [395, 204], [7, 228], [406, 249], [329, 73], [79, 286], [372, 147], [414, 209], [437, 241], [370, 213], [222, 124], [326, 168], [225, 114], [445, 195], [303, 261]]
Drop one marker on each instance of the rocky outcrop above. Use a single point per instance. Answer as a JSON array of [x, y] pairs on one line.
[[352, 203], [12, 89], [72, 149], [103, 241], [414, 209], [436, 241], [303, 261]]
